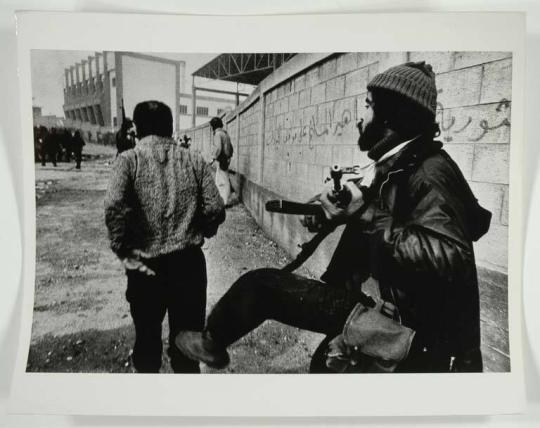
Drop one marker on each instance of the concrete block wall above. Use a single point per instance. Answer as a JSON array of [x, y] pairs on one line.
[[201, 140], [248, 142], [302, 119], [232, 129], [475, 93]]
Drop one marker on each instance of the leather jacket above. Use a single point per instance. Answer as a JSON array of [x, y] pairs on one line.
[[415, 238]]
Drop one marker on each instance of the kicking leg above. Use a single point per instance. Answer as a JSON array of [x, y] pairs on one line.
[[270, 294]]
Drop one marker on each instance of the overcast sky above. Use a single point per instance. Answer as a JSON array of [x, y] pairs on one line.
[[48, 75]]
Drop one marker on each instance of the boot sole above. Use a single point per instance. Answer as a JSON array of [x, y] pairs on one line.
[[219, 364]]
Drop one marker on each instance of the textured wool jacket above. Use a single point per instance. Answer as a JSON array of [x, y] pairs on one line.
[[415, 239], [161, 198]]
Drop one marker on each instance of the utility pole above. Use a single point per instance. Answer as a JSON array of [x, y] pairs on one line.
[[193, 102]]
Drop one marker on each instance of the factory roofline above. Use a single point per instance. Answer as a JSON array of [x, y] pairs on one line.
[[248, 68]]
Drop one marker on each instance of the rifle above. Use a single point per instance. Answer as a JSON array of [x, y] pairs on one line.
[[125, 137], [340, 195]]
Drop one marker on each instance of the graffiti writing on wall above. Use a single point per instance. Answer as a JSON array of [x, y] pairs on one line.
[[470, 128], [477, 129], [311, 129]]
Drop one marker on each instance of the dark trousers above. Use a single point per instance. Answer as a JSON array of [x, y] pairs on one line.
[[178, 289], [308, 304], [51, 154], [78, 158], [292, 299]]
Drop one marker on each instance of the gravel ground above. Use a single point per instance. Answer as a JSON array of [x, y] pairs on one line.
[[81, 320]]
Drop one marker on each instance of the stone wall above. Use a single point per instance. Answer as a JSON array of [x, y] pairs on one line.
[[302, 119]]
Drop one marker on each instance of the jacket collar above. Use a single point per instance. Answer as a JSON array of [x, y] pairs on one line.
[[395, 150], [416, 152]]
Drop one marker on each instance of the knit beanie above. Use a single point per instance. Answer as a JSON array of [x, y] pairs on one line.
[[413, 80]]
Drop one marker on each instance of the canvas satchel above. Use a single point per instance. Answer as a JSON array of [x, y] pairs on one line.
[[371, 342]]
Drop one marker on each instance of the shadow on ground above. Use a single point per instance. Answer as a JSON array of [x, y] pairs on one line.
[[90, 351], [274, 348]]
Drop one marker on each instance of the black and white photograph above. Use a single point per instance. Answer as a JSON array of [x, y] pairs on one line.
[[240, 226], [237, 213]]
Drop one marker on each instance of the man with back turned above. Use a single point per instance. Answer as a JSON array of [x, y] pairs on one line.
[[222, 154], [161, 204]]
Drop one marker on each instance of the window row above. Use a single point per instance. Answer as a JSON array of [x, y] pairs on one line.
[[90, 114], [201, 110]]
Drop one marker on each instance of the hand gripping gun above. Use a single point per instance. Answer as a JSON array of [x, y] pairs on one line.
[[340, 196]]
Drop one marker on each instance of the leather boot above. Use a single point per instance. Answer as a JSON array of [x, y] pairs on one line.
[[199, 346]]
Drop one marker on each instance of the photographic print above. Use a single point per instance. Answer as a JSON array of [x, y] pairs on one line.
[[285, 143], [272, 212]]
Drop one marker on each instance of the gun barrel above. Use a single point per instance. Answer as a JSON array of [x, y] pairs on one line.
[[290, 207], [336, 173]]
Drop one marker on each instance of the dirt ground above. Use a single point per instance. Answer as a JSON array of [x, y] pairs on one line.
[[81, 318]]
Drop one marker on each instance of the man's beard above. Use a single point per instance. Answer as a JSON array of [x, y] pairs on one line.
[[370, 134]]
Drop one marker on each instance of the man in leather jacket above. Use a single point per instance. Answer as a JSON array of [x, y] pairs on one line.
[[408, 240]]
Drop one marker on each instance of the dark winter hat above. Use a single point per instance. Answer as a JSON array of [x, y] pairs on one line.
[[413, 80]]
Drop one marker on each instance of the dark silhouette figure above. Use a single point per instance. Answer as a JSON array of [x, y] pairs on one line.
[[77, 144]]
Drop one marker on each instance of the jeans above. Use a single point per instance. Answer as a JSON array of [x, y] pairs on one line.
[[179, 289], [292, 299]]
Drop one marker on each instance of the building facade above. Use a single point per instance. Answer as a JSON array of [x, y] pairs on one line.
[[88, 86], [97, 87], [206, 108]]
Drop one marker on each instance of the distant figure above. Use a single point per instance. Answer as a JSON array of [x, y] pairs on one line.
[[161, 204], [77, 144], [65, 143], [41, 142], [184, 142], [125, 137], [51, 146], [223, 151], [36, 144]]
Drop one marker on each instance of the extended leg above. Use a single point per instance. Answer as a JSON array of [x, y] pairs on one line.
[[267, 294], [273, 294]]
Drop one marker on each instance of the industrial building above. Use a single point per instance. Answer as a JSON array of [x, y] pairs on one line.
[[96, 88]]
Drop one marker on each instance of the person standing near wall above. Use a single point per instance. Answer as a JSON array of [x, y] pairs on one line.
[[408, 244], [222, 154], [160, 205]]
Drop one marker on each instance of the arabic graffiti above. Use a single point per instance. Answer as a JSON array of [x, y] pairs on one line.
[[335, 121], [309, 129], [476, 128]]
